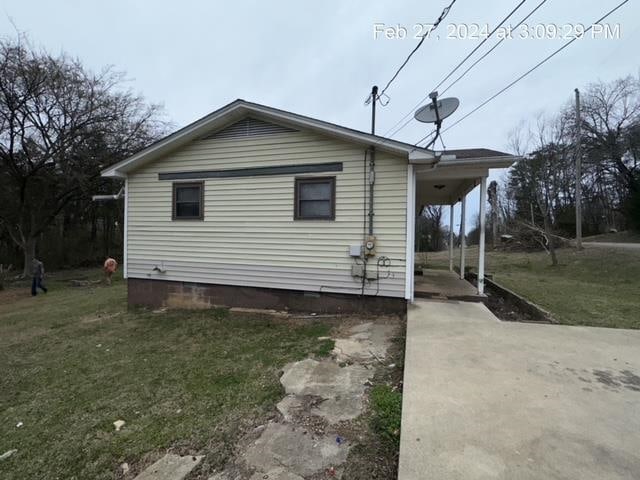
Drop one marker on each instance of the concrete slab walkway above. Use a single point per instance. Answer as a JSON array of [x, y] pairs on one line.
[[485, 399], [445, 285]]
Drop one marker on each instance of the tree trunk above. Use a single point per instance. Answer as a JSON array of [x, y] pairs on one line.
[[547, 232], [494, 227], [29, 251]]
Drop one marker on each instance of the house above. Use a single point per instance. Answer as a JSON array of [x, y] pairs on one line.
[[258, 207]]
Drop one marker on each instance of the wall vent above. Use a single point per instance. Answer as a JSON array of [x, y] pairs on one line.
[[250, 127]]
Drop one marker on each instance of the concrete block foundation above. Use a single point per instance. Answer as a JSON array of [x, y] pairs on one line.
[[189, 295]]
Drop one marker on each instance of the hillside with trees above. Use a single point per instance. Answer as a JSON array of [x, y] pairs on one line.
[[536, 201], [60, 125]]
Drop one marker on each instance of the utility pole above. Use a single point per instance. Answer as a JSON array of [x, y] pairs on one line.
[[374, 99], [578, 173]]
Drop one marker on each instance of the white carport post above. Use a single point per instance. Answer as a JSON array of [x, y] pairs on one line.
[[451, 237], [483, 200], [410, 234], [463, 206]]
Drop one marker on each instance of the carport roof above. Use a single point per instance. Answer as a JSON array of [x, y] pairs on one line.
[[456, 174], [476, 153]]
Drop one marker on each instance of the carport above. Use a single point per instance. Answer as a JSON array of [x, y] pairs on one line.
[[448, 182]]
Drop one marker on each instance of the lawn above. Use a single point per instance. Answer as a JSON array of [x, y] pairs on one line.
[[617, 237], [596, 286], [75, 360]]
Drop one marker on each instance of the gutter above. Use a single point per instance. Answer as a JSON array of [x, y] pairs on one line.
[[106, 198], [489, 162]]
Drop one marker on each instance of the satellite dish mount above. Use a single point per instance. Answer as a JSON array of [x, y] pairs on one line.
[[434, 101]]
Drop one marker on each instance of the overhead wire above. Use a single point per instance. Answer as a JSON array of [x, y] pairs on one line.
[[532, 69], [492, 48], [463, 61], [407, 116], [435, 25]]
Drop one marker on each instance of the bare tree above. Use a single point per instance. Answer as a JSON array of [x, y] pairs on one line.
[[429, 231], [492, 193], [535, 181], [541, 189], [611, 126], [611, 112], [59, 125]]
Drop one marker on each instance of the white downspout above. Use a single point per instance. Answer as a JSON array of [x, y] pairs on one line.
[[125, 240], [462, 234]]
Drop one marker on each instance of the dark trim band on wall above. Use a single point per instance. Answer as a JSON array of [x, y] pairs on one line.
[[254, 171]]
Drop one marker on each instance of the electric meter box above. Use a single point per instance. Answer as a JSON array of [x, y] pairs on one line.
[[370, 246]]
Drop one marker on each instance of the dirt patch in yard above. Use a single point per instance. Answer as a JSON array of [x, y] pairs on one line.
[[375, 456], [10, 295], [509, 306], [508, 310]]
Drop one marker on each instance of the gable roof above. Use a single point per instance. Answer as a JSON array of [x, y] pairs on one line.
[[239, 109]]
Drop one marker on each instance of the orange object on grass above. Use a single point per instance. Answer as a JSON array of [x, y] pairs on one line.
[[110, 265]]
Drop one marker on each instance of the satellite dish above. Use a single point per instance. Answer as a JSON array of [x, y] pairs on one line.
[[446, 106]]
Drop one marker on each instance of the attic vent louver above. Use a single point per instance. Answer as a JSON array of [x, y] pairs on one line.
[[250, 127]]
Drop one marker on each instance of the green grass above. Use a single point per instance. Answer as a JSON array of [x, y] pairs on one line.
[[596, 287], [74, 361], [618, 237], [386, 410]]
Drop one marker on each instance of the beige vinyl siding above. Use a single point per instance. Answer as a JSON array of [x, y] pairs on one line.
[[248, 236]]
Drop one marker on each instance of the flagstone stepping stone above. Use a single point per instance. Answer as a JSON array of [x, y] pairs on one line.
[[296, 451], [276, 474], [341, 388], [170, 467], [367, 342]]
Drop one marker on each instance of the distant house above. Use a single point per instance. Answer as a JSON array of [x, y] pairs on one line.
[[258, 207]]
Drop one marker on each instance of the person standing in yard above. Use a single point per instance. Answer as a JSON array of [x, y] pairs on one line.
[[37, 272], [110, 267]]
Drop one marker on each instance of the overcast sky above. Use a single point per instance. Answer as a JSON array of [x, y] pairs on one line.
[[321, 58]]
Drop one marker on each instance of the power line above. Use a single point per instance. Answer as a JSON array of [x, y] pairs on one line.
[[424, 138], [442, 16], [539, 64], [396, 130], [492, 48], [479, 60], [479, 45]]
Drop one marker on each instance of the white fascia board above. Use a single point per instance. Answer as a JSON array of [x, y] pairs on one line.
[[483, 162], [422, 157], [168, 143], [238, 109], [113, 173]]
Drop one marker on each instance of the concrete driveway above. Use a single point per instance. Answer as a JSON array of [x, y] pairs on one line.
[[485, 399]]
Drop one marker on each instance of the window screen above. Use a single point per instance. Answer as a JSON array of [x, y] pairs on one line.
[[188, 201], [315, 198]]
